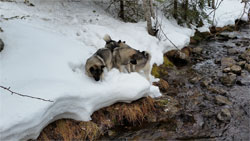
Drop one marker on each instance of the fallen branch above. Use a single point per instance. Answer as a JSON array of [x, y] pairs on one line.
[[23, 95]]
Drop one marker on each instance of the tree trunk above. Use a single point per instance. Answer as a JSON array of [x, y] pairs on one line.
[[151, 9], [202, 3], [175, 9], [213, 4], [121, 13], [208, 3], [186, 10], [146, 7]]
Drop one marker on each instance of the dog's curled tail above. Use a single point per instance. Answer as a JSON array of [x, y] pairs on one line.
[[107, 38]]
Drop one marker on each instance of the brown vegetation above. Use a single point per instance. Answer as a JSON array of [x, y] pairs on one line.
[[118, 114]]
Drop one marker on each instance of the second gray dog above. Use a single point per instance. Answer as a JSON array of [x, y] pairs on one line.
[[97, 62]]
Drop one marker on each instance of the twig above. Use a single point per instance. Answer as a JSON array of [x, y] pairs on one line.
[[217, 6], [168, 38], [12, 92], [244, 12], [111, 3]]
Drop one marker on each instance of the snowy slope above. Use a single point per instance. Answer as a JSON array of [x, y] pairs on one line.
[[44, 56]]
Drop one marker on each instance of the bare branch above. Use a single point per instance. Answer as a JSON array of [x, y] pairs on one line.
[[168, 38], [244, 12], [12, 92]]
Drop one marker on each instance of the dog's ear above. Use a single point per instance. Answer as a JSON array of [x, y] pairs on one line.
[[91, 69], [119, 41], [124, 42], [133, 61]]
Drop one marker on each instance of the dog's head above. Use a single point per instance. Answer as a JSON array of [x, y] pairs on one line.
[[96, 71], [135, 58]]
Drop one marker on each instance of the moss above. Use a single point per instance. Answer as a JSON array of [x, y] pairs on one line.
[[158, 71], [167, 62], [155, 71], [200, 36], [162, 102]]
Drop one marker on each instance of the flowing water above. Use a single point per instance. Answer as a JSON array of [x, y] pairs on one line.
[[199, 106]]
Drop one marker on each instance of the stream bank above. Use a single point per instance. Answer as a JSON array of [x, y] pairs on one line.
[[207, 98]]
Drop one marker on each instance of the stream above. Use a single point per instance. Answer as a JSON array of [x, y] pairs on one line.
[[208, 99]]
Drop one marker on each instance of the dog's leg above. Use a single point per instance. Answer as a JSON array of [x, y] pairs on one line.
[[120, 68], [102, 76], [128, 67], [132, 68], [110, 65], [146, 71]]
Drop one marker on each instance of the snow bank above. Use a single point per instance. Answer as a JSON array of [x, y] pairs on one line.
[[226, 14], [48, 65], [44, 56]]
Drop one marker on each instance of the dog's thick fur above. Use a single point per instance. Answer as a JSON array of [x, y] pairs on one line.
[[96, 63], [141, 62], [110, 44], [122, 57]]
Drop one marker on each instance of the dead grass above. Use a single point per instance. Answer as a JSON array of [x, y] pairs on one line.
[[118, 114], [67, 129], [125, 113]]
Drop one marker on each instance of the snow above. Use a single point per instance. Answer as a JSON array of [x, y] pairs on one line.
[[226, 14], [45, 53]]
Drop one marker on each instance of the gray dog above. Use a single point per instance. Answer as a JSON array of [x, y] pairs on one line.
[[132, 59], [122, 57], [141, 62], [96, 63]]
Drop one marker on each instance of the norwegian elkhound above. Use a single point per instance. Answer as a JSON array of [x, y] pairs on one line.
[[122, 57], [141, 62], [112, 44], [96, 63]]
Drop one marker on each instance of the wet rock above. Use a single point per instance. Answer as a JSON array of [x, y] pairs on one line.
[[178, 57], [236, 69], [217, 90], [111, 133], [227, 62], [241, 63], [245, 55], [162, 84], [195, 79], [171, 106], [217, 61], [247, 67], [232, 51], [1, 45], [237, 44], [197, 50], [222, 100], [227, 70], [229, 79], [206, 82], [224, 115], [187, 50]]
